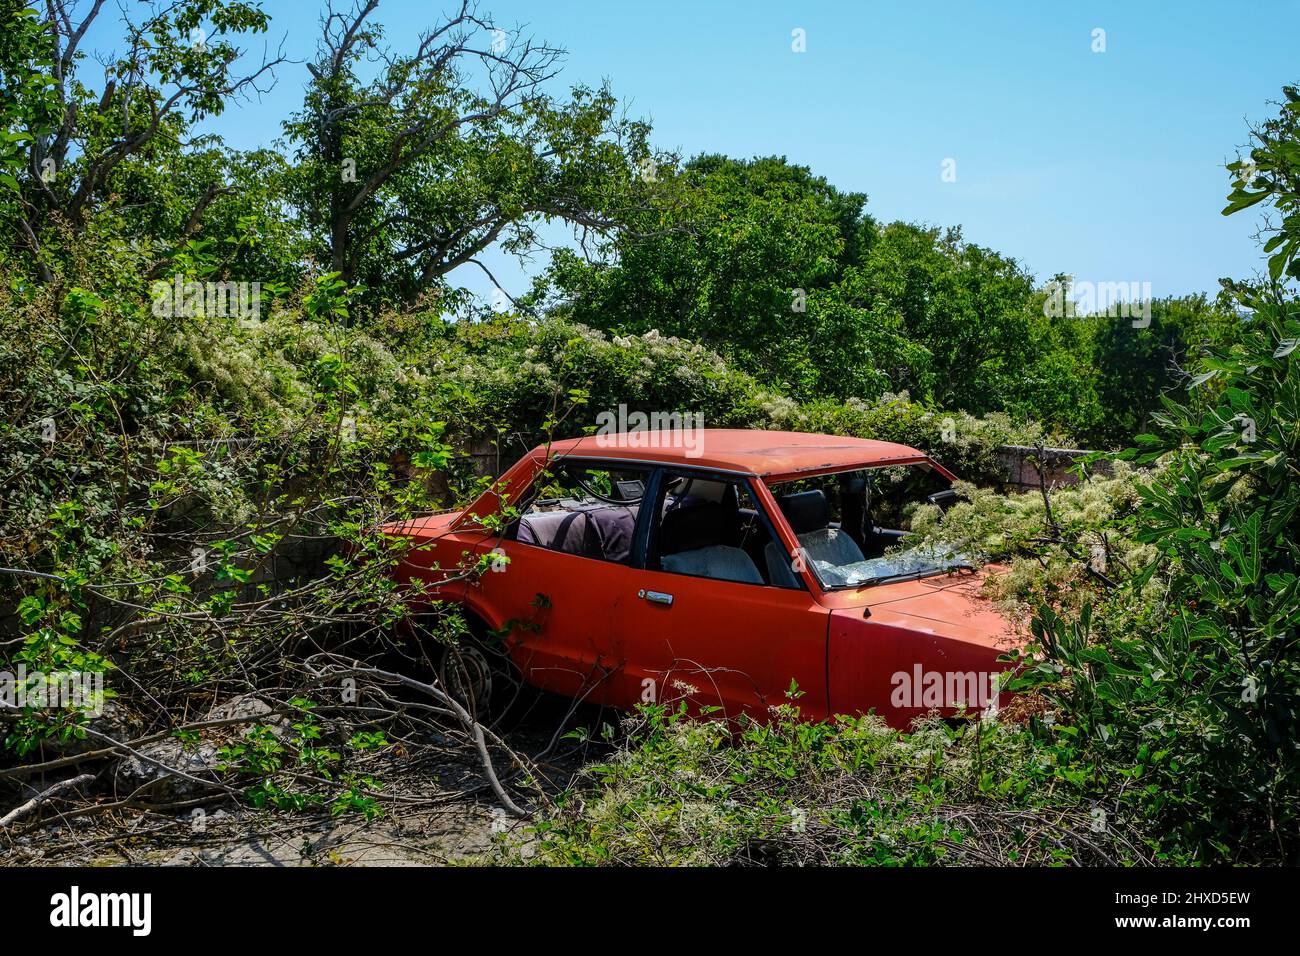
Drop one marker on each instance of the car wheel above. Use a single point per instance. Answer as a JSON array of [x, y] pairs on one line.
[[481, 677], [466, 675]]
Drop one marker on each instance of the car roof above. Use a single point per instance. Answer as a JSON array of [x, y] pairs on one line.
[[769, 454]]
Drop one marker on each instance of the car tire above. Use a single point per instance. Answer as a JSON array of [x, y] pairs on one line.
[[480, 677]]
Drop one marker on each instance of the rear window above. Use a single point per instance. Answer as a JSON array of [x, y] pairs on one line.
[[585, 510]]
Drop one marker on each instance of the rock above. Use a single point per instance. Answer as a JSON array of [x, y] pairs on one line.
[[135, 772], [199, 759], [116, 722]]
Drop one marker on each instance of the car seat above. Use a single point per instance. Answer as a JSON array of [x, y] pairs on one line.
[[692, 542], [572, 532], [809, 515]]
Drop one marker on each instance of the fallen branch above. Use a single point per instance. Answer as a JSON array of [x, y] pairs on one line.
[[471, 726], [44, 796]]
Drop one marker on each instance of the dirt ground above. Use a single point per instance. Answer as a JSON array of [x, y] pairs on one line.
[[247, 837], [433, 815]]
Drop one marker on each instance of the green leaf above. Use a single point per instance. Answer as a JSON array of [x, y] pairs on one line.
[[1243, 200]]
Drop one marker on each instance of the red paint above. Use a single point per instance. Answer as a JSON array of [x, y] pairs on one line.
[[738, 645]]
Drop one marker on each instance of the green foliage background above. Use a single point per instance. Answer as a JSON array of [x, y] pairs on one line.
[[1162, 685]]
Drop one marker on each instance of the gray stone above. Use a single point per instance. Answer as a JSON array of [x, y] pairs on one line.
[[141, 774]]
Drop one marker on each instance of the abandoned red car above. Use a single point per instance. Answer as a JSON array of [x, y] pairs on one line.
[[723, 571]]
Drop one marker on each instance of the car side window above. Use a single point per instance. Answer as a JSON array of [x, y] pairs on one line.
[[586, 510], [710, 527]]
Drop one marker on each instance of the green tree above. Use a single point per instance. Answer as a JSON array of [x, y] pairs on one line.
[[1272, 173], [448, 150], [27, 101], [177, 64], [793, 280], [1135, 366], [967, 306], [746, 258]]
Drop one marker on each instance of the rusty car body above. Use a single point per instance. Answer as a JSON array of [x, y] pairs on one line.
[[621, 570]]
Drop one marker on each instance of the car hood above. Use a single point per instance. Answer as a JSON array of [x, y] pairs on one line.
[[426, 527], [892, 647], [950, 605]]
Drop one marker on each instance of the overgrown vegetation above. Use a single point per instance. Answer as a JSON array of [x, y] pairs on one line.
[[220, 371], [848, 792]]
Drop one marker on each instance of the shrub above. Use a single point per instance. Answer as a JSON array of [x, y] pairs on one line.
[[1196, 701], [1064, 560], [680, 791]]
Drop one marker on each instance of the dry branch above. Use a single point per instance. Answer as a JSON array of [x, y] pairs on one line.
[[44, 796]]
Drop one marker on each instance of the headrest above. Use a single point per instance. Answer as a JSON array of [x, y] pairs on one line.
[[697, 526], [806, 511]]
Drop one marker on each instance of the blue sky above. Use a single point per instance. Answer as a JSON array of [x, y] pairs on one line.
[[1105, 165]]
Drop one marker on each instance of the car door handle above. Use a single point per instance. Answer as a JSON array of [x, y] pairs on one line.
[[655, 597]]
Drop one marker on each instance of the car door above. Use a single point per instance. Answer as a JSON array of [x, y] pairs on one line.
[[560, 566], [556, 607], [736, 645]]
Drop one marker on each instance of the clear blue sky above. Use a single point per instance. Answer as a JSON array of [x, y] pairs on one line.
[[1105, 165]]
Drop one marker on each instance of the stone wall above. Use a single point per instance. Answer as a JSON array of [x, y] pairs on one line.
[[1022, 463]]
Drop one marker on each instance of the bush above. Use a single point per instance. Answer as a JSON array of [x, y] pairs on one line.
[[678, 791], [1063, 560], [515, 375], [1200, 707]]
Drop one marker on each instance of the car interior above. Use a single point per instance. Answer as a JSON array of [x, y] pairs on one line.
[[587, 512], [809, 515], [709, 527], [840, 520]]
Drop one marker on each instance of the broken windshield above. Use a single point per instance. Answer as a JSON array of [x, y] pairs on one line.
[[854, 527]]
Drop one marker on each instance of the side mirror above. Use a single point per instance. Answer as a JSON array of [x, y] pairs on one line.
[[944, 499]]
